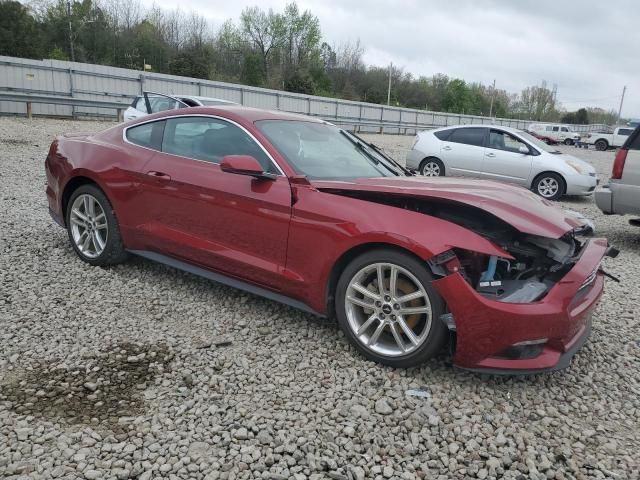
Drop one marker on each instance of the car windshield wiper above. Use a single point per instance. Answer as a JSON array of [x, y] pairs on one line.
[[383, 154], [363, 147], [367, 154]]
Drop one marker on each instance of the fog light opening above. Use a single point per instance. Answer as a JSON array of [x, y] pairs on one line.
[[524, 350]]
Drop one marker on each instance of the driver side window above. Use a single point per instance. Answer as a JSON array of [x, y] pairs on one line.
[[499, 140], [210, 139]]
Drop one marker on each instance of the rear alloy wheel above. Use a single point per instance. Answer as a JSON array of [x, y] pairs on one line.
[[388, 309], [432, 167], [601, 145], [568, 141], [549, 186], [92, 227]]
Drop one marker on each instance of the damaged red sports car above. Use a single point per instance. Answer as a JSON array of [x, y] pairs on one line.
[[300, 211]]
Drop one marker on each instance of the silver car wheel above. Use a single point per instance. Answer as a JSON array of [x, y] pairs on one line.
[[89, 227], [548, 187], [431, 169], [388, 309]]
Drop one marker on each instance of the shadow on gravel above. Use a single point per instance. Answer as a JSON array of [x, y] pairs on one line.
[[578, 200], [107, 387]]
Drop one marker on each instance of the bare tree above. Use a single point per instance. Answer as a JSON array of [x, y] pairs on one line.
[[266, 30]]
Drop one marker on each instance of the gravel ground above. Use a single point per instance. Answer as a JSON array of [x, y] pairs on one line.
[[140, 371]]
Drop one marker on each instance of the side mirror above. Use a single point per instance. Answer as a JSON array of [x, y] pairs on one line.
[[244, 165], [524, 150]]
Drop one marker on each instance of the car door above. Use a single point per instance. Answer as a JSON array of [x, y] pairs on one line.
[[462, 151], [231, 223], [505, 158], [137, 109]]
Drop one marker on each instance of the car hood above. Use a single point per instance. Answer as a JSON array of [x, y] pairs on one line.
[[515, 205], [585, 167]]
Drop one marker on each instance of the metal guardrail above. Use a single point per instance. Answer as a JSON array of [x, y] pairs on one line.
[[356, 123], [29, 99]]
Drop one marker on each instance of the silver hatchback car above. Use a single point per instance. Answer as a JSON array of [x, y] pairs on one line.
[[494, 152]]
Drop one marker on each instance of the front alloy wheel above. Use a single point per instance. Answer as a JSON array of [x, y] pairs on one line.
[[389, 310], [432, 168], [549, 186]]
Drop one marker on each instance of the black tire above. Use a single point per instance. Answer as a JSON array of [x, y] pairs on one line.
[[432, 165], [541, 186], [433, 337], [568, 141], [601, 145], [113, 251]]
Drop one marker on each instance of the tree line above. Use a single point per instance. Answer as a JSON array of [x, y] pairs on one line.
[[282, 50]]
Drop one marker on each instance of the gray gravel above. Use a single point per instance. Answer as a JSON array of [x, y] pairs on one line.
[[140, 371]]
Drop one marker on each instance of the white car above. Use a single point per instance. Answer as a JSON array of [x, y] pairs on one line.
[[554, 133], [501, 153], [604, 140], [150, 102]]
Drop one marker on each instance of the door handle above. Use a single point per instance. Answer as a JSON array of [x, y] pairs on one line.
[[159, 175], [446, 147], [491, 154]]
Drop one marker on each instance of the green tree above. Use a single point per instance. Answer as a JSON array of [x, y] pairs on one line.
[[457, 98], [19, 31], [266, 31], [582, 117]]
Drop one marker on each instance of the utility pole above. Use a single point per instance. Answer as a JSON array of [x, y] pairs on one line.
[[389, 89], [493, 94], [73, 57], [624, 89]]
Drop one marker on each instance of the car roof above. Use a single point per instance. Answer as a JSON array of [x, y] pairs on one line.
[[234, 112], [501, 127]]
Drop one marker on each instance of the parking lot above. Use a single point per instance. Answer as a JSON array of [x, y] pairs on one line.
[[141, 371]]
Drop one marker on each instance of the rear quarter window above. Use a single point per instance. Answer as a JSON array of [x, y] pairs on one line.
[[443, 134], [468, 136], [146, 135]]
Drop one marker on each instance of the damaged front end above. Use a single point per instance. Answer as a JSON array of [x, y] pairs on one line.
[[525, 310]]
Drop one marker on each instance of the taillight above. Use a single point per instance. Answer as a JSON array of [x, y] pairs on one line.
[[618, 164]]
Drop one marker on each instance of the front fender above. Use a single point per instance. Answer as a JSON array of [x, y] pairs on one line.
[[325, 227]]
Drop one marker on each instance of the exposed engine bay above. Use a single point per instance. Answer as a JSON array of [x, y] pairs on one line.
[[538, 262]]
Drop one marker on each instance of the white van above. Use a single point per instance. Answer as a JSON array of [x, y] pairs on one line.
[[551, 133]]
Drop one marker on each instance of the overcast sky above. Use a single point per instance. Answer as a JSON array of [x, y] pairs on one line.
[[588, 48]]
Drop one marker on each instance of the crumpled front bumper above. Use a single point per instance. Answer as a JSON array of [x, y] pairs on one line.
[[485, 328]]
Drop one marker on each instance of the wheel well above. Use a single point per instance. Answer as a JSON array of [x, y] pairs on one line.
[[602, 140], [71, 186], [431, 157], [564, 182], [344, 260]]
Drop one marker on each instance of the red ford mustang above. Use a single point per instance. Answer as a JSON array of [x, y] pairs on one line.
[[300, 211]]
